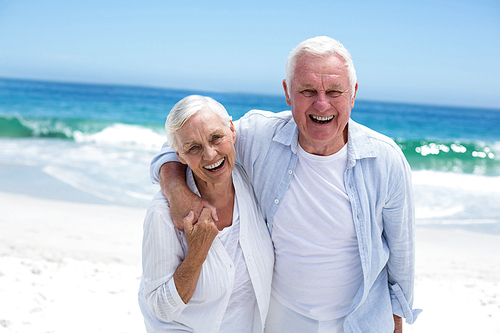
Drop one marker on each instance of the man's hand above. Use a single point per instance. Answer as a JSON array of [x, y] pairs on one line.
[[172, 181], [398, 324]]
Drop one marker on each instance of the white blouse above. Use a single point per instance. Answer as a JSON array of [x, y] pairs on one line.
[[164, 248]]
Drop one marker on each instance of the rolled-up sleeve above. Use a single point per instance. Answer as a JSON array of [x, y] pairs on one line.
[[399, 232], [165, 155]]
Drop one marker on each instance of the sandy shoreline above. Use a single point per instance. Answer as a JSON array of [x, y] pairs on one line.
[[69, 267], [75, 267]]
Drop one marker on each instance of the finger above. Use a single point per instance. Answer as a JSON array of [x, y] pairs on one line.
[[188, 221], [212, 208], [214, 214], [179, 225], [206, 215]]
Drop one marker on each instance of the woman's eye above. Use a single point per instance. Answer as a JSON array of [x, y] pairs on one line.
[[216, 138], [193, 149]]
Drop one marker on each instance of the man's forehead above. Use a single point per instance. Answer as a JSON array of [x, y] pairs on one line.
[[330, 70], [310, 58], [324, 83]]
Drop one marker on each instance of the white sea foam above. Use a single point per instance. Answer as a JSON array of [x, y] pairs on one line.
[[457, 181], [122, 134], [456, 198], [114, 167]]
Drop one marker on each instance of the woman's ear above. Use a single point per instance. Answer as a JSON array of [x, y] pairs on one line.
[[180, 158]]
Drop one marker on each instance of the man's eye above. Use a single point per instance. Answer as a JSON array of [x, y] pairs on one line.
[[308, 92], [333, 93]]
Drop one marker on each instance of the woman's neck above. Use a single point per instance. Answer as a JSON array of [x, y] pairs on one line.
[[221, 196]]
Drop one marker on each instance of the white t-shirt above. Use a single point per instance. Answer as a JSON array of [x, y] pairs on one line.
[[317, 269], [239, 311]]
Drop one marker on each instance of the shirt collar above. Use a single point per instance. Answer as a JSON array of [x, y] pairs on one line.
[[288, 135], [359, 145]]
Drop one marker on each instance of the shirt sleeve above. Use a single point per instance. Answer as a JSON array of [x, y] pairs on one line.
[[162, 255], [166, 154], [399, 232]]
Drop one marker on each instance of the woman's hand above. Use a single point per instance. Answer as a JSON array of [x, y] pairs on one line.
[[173, 185], [199, 238], [199, 235]]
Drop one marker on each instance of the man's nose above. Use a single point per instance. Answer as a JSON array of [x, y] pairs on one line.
[[321, 103]]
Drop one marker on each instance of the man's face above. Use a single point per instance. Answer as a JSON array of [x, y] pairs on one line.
[[321, 102]]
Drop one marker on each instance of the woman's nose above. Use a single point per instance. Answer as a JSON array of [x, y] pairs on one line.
[[209, 153]]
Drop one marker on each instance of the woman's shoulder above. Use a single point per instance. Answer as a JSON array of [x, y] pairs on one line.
[[240, 175], [158, 212]]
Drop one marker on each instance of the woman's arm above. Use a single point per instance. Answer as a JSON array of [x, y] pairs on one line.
[[199, 238], [170, 273]]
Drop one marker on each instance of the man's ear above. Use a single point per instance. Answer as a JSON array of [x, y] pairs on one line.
[[354, 95], [286, 93]]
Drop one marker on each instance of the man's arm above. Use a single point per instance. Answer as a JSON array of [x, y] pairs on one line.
[[172, 180], [399, 232], [398, 324]]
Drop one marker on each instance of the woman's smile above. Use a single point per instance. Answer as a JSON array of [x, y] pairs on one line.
[[215, 166]]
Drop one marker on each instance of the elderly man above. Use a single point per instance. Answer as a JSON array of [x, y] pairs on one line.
[[336, 196]]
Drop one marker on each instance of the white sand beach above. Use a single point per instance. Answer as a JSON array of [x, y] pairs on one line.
[[75, 267]]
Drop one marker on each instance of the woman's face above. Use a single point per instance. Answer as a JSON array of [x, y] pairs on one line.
[[206, 145]]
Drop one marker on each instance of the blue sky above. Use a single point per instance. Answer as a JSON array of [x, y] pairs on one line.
[[430, 52]]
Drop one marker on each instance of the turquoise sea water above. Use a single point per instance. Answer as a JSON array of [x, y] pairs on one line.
[[101, 138]]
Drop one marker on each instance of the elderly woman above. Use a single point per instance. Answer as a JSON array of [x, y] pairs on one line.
[[215, 276]]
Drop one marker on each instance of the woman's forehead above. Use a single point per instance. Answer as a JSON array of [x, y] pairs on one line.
[[203, 123]]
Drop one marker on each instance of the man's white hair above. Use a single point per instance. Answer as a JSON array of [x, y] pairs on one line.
[[187, 107], [320, 46]]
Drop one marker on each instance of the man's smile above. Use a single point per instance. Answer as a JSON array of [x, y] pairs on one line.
[[321, 120]]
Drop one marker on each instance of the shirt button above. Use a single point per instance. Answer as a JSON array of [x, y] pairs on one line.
[[290, 171], [276, 201]]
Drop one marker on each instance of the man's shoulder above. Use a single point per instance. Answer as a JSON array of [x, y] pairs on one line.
[[263, 124], [374, 136], [267, 117], [370, 143]]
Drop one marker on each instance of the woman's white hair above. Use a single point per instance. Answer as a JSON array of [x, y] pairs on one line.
[[188, 106], [320, 46]]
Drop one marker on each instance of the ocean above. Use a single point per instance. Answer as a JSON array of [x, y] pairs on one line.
[[98, 141]]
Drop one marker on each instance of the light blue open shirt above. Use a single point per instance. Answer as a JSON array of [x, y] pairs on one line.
[[378, 182]]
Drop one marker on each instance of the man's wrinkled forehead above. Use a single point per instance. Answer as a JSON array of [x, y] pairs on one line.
[[325, 69]]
